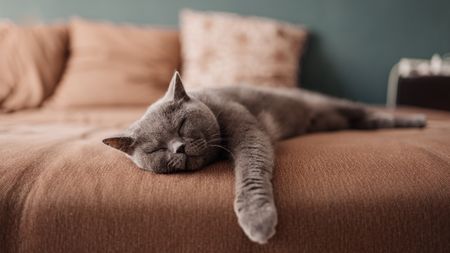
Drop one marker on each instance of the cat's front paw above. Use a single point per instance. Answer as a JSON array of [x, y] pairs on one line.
[[258, 222]]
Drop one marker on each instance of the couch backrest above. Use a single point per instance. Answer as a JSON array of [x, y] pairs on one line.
[[353, 47]]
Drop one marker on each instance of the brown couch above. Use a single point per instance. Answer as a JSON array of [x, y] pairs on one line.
[[63, 190]]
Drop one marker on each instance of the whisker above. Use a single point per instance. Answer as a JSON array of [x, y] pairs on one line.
[[214, 141], [170, 163], [218, 115], [216, 136], [199, 145], [197, 141]]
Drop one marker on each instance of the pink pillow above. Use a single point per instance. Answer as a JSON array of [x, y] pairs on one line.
[[226, 49]]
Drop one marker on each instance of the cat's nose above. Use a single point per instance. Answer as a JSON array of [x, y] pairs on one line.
[[178, 147]]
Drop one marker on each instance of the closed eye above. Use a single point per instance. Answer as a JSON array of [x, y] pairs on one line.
[[150, 151], [181, 126]]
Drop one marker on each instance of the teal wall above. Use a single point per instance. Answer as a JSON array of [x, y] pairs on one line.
[[354, 43]]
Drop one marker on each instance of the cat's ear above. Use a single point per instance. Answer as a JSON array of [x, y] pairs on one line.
[[176, 90], [122, 143]]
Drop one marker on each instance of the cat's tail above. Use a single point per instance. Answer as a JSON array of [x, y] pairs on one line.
[[376, 120]]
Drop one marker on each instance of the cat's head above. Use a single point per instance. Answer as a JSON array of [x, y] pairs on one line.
[[175, 134]]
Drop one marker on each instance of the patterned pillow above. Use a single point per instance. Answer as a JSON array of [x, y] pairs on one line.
[[220, 49]]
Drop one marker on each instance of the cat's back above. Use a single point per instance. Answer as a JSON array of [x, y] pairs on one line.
[[282, 111], [251, 92], [258, 98]]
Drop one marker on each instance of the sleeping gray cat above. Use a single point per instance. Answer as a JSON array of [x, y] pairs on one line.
[[185, 132]]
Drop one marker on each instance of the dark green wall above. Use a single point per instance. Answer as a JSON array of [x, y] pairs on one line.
[[354, 43]]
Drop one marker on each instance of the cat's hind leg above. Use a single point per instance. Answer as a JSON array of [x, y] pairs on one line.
[[377, 120], [360, 116]]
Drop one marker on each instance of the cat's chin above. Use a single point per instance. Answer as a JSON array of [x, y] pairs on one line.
[[194, 163], [190, 164], [185, 163]]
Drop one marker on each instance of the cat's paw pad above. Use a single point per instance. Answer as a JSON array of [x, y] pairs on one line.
[[258, 223]]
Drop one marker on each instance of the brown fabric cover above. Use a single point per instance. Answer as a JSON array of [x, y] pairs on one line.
[[222, 49], [62, 190], [32, 59], [117, 64]]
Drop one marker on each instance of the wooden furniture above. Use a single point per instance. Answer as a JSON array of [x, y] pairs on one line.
[[416, 87]]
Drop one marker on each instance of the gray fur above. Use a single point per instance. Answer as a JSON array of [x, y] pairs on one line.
[[186, 131]]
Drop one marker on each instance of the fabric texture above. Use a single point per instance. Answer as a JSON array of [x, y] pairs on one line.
[[63, 190], [227, 49], [32, 60], [117, 64]]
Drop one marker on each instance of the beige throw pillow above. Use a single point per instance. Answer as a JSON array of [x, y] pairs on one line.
[[117, 65], [226, 49], [32, 59]]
